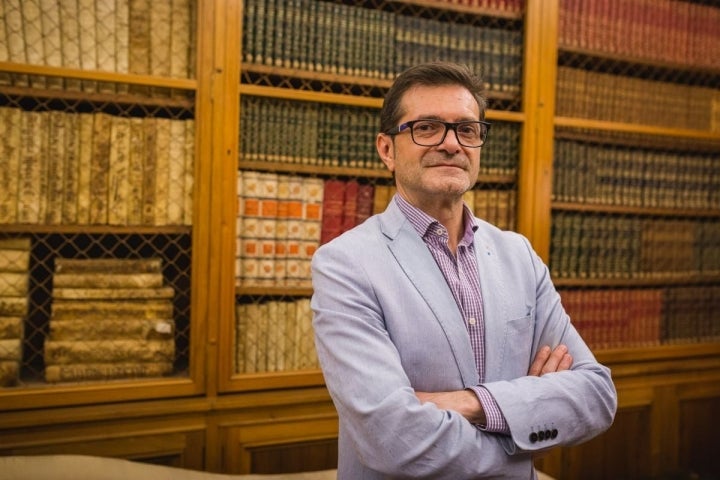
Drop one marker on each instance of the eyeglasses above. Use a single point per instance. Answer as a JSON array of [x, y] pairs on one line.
[[429, 133]]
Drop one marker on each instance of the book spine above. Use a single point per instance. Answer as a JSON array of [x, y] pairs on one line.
[[105, 371]]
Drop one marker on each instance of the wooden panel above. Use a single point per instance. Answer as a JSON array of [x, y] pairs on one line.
[[295, 457], [699, 444], [178, 450], [624, 451], [155, 441], [289, 439]]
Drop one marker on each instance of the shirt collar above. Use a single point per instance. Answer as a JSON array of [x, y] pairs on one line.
[[422, 222]]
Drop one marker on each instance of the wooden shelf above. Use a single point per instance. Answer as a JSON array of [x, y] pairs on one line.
[[471, 10], [327, 170], [573, 122], [99, 76], [626, 59], [97, 229], [629, 210], [274, 291], [334, 78], [658, 281]]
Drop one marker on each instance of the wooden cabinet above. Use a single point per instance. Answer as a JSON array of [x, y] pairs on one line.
[[629, 160], [258, 87]]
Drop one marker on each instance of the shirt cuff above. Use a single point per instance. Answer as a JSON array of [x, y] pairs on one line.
[[493, 416]]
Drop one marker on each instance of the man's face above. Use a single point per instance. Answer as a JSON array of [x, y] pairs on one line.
[[442, 172]]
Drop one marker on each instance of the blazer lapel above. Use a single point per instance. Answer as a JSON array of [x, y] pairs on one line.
[[417, 262], [494, 314]]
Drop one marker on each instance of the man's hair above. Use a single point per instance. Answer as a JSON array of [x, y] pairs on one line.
[[431, 74]]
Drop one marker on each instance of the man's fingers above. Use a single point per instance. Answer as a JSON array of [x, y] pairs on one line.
[[565, 363], [548, 361], [540, 358], [554, 360]]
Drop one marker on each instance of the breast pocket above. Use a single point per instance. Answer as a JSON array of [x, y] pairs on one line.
[[517, 346]]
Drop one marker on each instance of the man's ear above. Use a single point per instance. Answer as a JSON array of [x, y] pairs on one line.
[[384, 145]]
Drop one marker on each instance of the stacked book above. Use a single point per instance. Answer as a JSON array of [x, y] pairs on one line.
[[111, 318], [14, 274], [278, 228]]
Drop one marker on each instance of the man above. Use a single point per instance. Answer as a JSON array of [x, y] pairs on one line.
[[442, 340]]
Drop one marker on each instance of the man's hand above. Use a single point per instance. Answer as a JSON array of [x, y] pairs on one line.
[[464, 402], [548, 361]]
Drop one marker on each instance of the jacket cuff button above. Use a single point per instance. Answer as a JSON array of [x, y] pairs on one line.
[[533, 437]]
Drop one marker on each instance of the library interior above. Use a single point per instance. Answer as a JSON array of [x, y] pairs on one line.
[[168, 168]]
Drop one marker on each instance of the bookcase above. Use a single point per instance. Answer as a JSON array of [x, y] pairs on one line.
[[629, 222], [278, 102]]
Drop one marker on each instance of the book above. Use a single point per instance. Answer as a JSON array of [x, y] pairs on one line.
[[10, 349], [11, 154], [112, 293], [100, 168], [189, 172], [108, 265], [85, 156], [51, 40], [71, 163], [101, 310], [139, 41], [332, 211], [241, 312], [55, 159], [349, 204], [180, 38], [136, 157], [149, 172], [11, 327], [107, 280], [86, 20], [160, 37], [119, 172], [105, 36], [13, 284], [9, 373], [14, 259], [105, 371], [32, 175], [163, 140], [33, 37], [70, 41], [176, 173], [122, 41], [81, 329], [62, 352], [15, 37]]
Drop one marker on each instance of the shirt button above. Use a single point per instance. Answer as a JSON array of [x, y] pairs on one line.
[[472, 321]]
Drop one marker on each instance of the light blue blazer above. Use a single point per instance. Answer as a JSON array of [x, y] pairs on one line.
[[386, 324]]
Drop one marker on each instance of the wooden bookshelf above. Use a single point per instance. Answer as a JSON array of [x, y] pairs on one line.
[[209, 416]]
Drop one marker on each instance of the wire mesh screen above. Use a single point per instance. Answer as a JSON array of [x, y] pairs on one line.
[[146, 38], [357, 47], [119, 326], [636, 216], [106, 180], [308, 172]]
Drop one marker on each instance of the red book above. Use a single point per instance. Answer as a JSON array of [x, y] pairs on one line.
[[365, 201], [350, 204], [332, 210]]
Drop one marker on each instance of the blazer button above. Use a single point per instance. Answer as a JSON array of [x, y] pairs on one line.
[[554, 433], [548, 435], [541, 435], [533, 437]]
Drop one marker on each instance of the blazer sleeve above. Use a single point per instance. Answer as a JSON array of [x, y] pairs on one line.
[[561, 408]]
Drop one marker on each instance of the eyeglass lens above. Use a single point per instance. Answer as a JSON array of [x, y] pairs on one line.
[[432, 132]]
